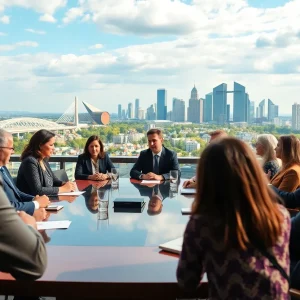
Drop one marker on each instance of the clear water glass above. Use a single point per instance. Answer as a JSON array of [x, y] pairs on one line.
[[174, 176]]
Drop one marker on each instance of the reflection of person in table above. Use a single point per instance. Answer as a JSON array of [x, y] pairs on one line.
[[93, 194], [157, 194]]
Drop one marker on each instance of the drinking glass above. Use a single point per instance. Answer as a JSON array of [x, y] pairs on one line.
[[173, 176], [115, 177]]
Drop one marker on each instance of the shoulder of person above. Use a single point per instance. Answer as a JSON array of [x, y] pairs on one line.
[[30, 159], [83, 156], [144, 152]]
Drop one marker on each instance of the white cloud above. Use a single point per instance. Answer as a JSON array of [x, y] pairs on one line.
[[39, 32], [47, 18], [10, 47], [72, 14], [5, 19], [3, 34], [86, 18], [96, 46]]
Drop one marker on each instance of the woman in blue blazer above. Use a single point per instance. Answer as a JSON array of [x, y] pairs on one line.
[[94, 163]]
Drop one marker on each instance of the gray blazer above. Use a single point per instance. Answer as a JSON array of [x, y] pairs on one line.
[[31, 179], [23, 256]]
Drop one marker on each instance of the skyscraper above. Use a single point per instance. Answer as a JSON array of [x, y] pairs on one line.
[[161, 104], [130, 111], [240, 103], [296, 116], [137, 107], [195, 110], [272, 111], [178, 110], [220, 103], [251, 111], [261, 109], [207, 107], [119, 111], [151, 112]]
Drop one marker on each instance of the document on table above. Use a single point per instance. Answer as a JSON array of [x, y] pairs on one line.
[[75, 193], [186, 211], [150, 181], [53, 225], [188, 191]]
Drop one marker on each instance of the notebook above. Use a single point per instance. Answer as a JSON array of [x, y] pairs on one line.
[[188, 191], [186, 211], [54, 207], [173, 246], [137, 202]]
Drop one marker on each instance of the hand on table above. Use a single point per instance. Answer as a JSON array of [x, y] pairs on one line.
[[189, 184], [42, 200], [40, 214]]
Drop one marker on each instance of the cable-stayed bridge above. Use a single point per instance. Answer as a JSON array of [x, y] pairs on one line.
[[68, 121]]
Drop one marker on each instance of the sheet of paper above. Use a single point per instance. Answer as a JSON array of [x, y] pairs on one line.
[[76, 193], [53, 225], [150, 181], [186, 211], [188, 191]]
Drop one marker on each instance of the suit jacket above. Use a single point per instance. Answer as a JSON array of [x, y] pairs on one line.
[[163, 188], [291, 199], [24, 256], [287, 180], [168, 161], [17, 198], [84, 166], [31, 178]]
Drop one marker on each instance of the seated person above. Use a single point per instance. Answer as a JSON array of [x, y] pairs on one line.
[[22, 202], [94, 163], [35, 176], [156, 162], [214, 135], [288, 150], [265, 148]]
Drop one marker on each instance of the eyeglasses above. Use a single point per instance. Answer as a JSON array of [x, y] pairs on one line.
[[10, 148]]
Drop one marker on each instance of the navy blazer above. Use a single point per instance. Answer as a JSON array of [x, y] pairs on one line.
[[18, 199], [291, 199], [84, 166], [168, 161], [31, 178]]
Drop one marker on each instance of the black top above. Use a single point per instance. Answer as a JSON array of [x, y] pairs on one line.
[[84, 166], [33, 180], [168, 161]]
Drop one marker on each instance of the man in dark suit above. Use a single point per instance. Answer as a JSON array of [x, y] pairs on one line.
[[156, 162], [18, 199]]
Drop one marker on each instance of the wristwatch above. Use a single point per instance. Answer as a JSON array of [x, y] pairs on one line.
[[141, 176]]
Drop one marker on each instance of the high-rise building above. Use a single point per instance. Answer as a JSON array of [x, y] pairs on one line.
[[272, 111], [119, 111], [123, 113], [141, 115], [228, 113], [220, 103], [151, 112], [137, 107], [296, 116], [261, 109], [161, 104], [240, 103], [195, 109], [251, 111], [130, 111], [178, 110], [207, 107]]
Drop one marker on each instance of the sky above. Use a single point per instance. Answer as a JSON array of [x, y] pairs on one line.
[[107, 52]]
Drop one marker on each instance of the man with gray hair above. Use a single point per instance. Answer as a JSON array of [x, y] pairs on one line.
[[21, 201]]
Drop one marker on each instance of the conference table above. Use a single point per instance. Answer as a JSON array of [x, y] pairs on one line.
[[110, 254]]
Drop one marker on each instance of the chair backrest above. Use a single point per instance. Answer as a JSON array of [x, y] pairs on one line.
[[61, 175]]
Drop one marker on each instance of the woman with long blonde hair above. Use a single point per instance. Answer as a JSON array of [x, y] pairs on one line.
[[238, 229]]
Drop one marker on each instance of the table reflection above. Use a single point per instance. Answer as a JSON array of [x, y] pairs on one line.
[[94, 222]]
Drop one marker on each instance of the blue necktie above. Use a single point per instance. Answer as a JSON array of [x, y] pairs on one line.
[[155, 167], [7, 177]]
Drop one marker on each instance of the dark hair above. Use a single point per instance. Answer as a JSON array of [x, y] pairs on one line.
[[40, 138], [155, 131], [232, 189], [290, 154], [89, 141]]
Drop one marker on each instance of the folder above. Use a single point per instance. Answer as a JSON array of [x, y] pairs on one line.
[[173, 246], [129, 202]]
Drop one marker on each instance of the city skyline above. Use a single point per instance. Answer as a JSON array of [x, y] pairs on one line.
[[111, 52]]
